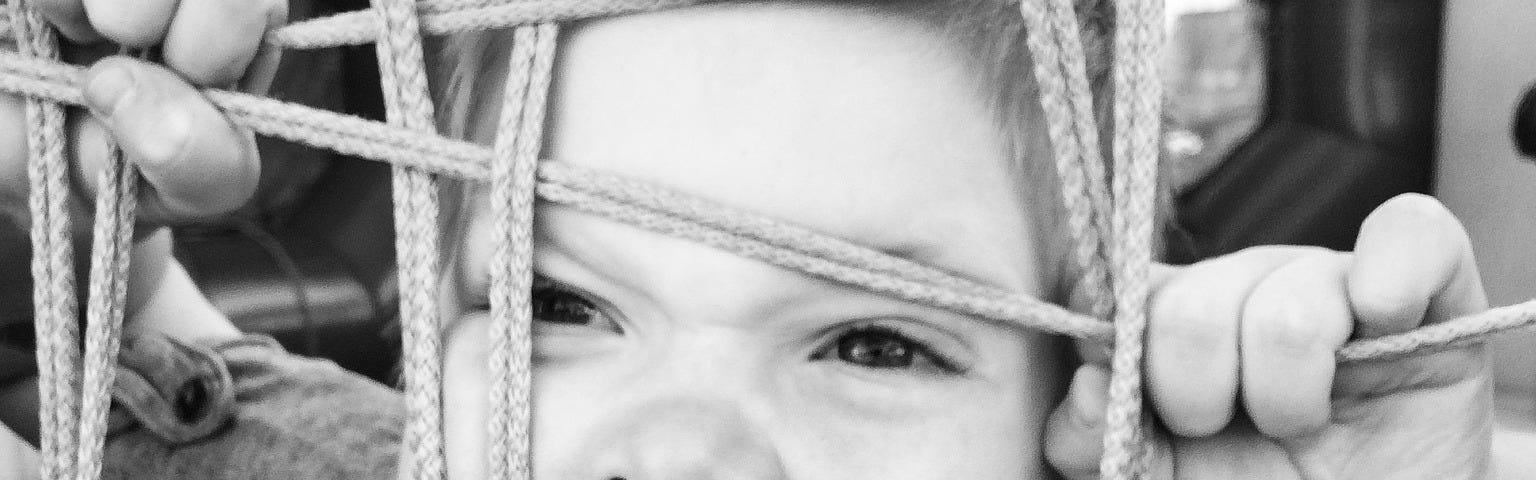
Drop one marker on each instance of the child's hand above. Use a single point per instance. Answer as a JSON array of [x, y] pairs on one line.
[[1240, 362], [194, 162]]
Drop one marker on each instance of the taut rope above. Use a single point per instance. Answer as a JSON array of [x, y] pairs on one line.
[[1109, 216]]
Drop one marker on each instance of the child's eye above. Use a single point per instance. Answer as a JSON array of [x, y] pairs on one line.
[[557, 305], [883, 348]]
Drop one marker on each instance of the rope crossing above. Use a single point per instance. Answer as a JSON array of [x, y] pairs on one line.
[[1109, 216]]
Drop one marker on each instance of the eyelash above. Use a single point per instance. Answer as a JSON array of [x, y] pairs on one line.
[[925, 357], [543, 287]]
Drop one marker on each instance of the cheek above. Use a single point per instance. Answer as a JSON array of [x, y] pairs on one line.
[[466, 396], [980, 430], [983, 442], [564, 404]]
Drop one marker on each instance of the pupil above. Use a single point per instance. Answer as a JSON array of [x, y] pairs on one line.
[[873, 349], [562, 307]]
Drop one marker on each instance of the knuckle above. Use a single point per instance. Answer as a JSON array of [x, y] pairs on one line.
[[137, 23], [1184, 317], [1289, 327], [1377, 302]]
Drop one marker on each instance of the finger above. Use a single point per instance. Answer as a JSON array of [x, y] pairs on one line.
[[133, 23], [212, 42], [194, 161], [1413, 265], [1192, 361], [68, 17], [1291, 325], [263, 69], [1074, 432]]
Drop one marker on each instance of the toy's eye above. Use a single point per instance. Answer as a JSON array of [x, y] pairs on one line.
[[558, 306], [883, 348]]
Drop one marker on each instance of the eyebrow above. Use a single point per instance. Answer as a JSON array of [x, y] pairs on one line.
[[689, 218]]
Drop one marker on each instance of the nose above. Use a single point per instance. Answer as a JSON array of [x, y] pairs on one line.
[[684, 440]]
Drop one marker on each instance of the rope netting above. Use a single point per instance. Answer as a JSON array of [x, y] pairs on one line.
[[1110, 216]]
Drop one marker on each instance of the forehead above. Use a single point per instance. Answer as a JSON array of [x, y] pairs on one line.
[[862, 126]]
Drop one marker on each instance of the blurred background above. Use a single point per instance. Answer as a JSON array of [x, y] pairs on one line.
[[1287, 122]]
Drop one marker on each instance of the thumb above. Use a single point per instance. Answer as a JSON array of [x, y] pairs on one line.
[[195, 163], [1074, 432]]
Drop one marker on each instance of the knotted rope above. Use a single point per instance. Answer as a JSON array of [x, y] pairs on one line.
[[1111, 220]]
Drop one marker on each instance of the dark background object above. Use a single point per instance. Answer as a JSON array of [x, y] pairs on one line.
[[1353, 88], [310, 259], [1525, 124]]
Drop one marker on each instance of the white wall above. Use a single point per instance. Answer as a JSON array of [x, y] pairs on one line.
[[1490, 60]]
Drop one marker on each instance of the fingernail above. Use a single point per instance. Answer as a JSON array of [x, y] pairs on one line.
[[1088, 389], [106, 85]]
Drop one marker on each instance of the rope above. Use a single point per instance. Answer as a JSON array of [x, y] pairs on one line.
[[1008, 309], [356, 136], [408, 104], [53, 270], [441, 17], [739, 223], [1137, 101], [513, 176], [1059, 67], [111, 246], [1111, 230]]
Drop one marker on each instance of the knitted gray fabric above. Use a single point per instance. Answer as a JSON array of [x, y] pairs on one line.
[[295, 418]]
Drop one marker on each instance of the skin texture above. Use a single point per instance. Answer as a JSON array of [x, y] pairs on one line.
[[717, 370], [1258, 329], [194, 162], [702, 107], [698, 364]]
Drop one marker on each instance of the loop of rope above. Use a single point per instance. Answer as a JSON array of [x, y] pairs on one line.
[[408, 103], [1113, 230], [513, 176]]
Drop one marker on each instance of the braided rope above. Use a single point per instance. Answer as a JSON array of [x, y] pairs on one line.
[[774, 233], [355, 136], [1137, 101], [111, 245], [439, 17], [1053, 39], [409, 104], [1013, 310], [53, 269], [1059, 66], [513, 176]]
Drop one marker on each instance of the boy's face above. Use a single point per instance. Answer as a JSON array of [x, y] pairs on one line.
[[659, 358]]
